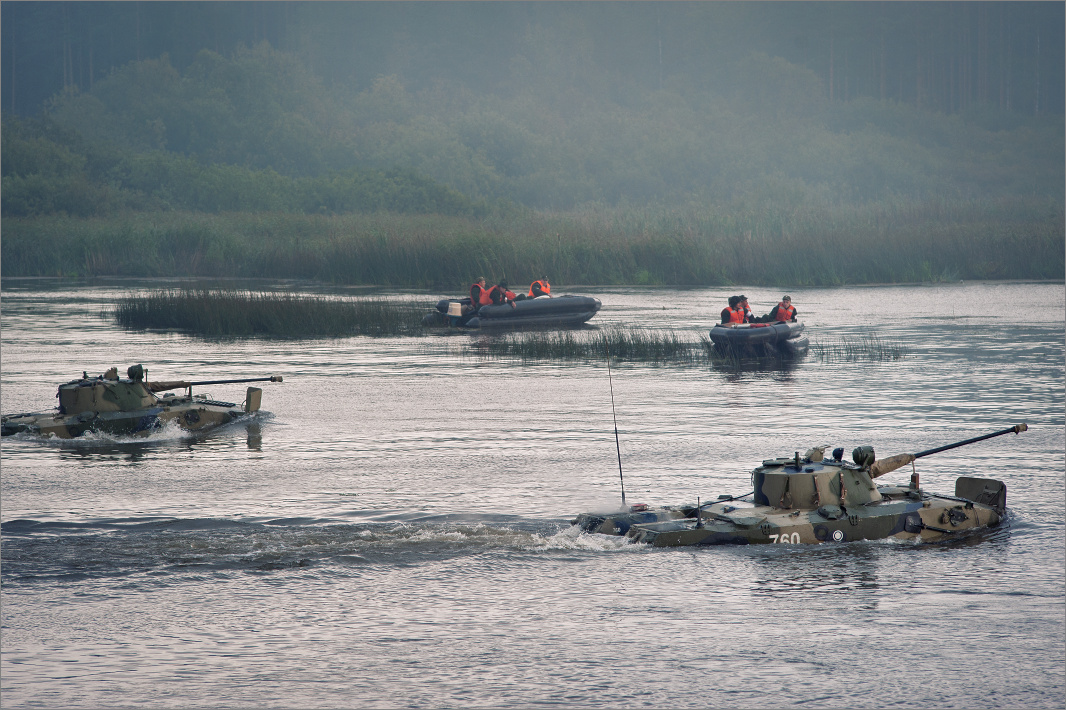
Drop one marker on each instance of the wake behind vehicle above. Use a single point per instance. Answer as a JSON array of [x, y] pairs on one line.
[[557, 312], [130, 406], [813, 499]]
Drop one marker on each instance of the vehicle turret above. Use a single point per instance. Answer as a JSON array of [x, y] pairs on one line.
[[105, 393], [811, 481]]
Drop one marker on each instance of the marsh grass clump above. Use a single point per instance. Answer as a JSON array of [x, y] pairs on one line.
[[643, 345], [237, 314], [869, 346], [625, 344], [667, 347]]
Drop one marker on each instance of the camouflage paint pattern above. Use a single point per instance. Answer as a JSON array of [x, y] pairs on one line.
[[812, 500], [126, 407]]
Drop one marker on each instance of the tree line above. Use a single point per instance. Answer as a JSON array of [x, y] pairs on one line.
[[600, 152], [48, 170], [257, 130], [950, 57]]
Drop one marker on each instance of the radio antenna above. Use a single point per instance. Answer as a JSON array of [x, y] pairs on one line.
[[617, 445]]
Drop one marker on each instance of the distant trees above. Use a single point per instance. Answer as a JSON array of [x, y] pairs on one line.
[[259, 108], [256, 129], [46, 170], [943, 56]]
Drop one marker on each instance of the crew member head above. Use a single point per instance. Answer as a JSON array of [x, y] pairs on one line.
[[733, 301]]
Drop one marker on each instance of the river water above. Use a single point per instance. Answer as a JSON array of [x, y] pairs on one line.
[[394, 531]]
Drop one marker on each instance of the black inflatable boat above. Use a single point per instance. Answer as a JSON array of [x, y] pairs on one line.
[[560, 311], [751, 337]]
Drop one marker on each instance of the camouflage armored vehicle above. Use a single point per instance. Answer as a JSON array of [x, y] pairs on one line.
[[130, 406], [814, 499]]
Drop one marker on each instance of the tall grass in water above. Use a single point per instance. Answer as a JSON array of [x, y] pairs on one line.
[[627, 344], [226, 314], [868, 346], [665, 347]]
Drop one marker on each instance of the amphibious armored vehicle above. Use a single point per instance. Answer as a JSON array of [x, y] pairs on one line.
[[129, 406], [815, 499]]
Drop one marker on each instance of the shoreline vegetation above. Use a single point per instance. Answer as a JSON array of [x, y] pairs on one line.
[[248, 164], [896, 242], [245, 314]]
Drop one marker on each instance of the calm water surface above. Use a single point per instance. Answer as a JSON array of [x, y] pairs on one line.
[[394, 531]]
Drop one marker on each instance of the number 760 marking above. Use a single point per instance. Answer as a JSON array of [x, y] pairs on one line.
[[794, 538]]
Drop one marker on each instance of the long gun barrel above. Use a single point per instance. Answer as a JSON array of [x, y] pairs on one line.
[[887, 465], [178, 384], [1016, 429]]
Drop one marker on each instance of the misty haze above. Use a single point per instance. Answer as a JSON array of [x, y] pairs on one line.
[[414, 144]]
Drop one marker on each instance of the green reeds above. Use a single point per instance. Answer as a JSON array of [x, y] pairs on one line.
[[636, 344], [801, 246], [868, 346], [656, 346], [667, 347], [240, 314], [237, 314]]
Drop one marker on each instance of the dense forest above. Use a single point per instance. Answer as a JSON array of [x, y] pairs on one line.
[[944, 56], [787, 124]]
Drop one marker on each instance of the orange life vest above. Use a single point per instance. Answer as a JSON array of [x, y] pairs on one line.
[[736, 315], [785, 313], [498, 294], [545, 287], [479, 296]]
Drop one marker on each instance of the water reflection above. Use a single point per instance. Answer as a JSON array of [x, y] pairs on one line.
[[782, 370], [130, 452], [255, 436], [834, 569], [137, 450]]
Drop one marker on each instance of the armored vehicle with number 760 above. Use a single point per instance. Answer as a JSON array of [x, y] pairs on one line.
[[817, 499]]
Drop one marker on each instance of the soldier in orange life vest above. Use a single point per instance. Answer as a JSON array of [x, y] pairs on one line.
[[784, 311], [734, 313], [742, 301], [479, 295], [499, 294], [540, 287]]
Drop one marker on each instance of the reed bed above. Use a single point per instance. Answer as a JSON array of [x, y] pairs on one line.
[[666, 347], [236, 314], [803, 246], [868, 346], [221, 313], [656, 346]]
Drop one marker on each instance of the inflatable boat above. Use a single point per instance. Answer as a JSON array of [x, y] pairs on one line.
[[543, 312], [787, 337]]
